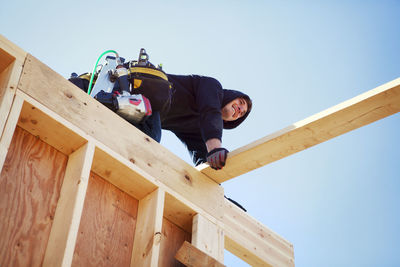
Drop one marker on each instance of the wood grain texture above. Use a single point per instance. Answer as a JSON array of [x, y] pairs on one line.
[[9, 78], [359, 111], [191, 256], [12, 50], [71, 103], [172, 239], [61, 245], [9, 128], [208, 237], [253, 242], [49, 130], [11, 62], [106, 232], [146, 247], [30, 184]]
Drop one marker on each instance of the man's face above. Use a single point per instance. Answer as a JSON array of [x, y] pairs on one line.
[[234, 109]]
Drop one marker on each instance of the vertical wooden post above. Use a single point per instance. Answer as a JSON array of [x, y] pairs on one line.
[[208, 237], [9, 129], [61, 245], [146, 246]]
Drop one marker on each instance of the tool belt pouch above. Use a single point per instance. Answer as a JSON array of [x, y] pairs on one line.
[[157, 90]]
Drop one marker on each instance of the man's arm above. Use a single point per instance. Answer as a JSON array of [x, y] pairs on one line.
[[213, 143], [216, 155]]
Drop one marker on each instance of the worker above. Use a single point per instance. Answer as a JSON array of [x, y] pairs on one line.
[[199, 110]]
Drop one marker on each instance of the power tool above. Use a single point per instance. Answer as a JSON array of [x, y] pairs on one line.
[[119, 87]]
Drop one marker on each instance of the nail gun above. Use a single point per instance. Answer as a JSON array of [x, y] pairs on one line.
[[134, 108]]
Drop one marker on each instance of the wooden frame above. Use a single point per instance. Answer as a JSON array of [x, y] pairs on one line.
[[359, 111], [168, 204]]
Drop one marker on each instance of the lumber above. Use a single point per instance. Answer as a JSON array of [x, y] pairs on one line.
[[12, 120], [171, 240], [146, 246], [253, 242], [68, 101], [67, 217], [30, 184], [107, 228], [11, 62], [208, 237], [194, 257], [359, 111]]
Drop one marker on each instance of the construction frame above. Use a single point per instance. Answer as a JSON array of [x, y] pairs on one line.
[[75, 191]]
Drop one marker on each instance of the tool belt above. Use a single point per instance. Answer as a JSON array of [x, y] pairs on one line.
[[153, 84], [146, 80]]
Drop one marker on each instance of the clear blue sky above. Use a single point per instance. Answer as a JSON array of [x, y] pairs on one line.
[[337, 202]]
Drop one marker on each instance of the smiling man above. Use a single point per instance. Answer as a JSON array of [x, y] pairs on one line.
[[199, 112]]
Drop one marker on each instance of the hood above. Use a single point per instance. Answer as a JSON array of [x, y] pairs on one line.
[[230, 95]]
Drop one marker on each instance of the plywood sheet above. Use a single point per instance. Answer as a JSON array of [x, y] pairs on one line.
[[30, 184], [171, 240], [107, 228]]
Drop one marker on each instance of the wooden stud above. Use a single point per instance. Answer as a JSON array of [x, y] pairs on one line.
[[208, 237], [366, 108], [146, 245], [9, 129], [63, 234], [191, 256], [11, 62]]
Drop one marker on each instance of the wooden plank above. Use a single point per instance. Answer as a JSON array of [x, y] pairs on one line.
[[359, 111], [253, 242], [11, 62], [9, 78], [9, 129], [106, 232], [208, 237], [63, 234], [49, 130], [148, 233], [65, 99], [179, 212], [122, 174], [172, 239], [14, 51], [191, 256], [30, 185]]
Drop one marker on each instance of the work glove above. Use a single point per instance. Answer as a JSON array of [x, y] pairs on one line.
[[217, 158]]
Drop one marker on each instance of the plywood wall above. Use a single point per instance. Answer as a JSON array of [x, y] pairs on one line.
[[30, 185], [107, 228], [172, 239]]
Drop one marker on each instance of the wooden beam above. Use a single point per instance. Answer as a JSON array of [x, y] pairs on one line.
[[253, 242], [208, 237], [11, 62], [62, 97], [146, 246], [61, 245], [359, 111], [11, 49], [194, 257], [12, 120]]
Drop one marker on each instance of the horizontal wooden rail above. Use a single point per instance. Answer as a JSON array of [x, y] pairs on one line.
[[253, 242], [359, 111]]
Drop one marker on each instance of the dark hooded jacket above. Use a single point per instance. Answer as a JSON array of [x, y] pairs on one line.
[[195, 113]]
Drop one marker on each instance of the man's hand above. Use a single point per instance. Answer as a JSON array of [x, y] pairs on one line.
[[217, 158]]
